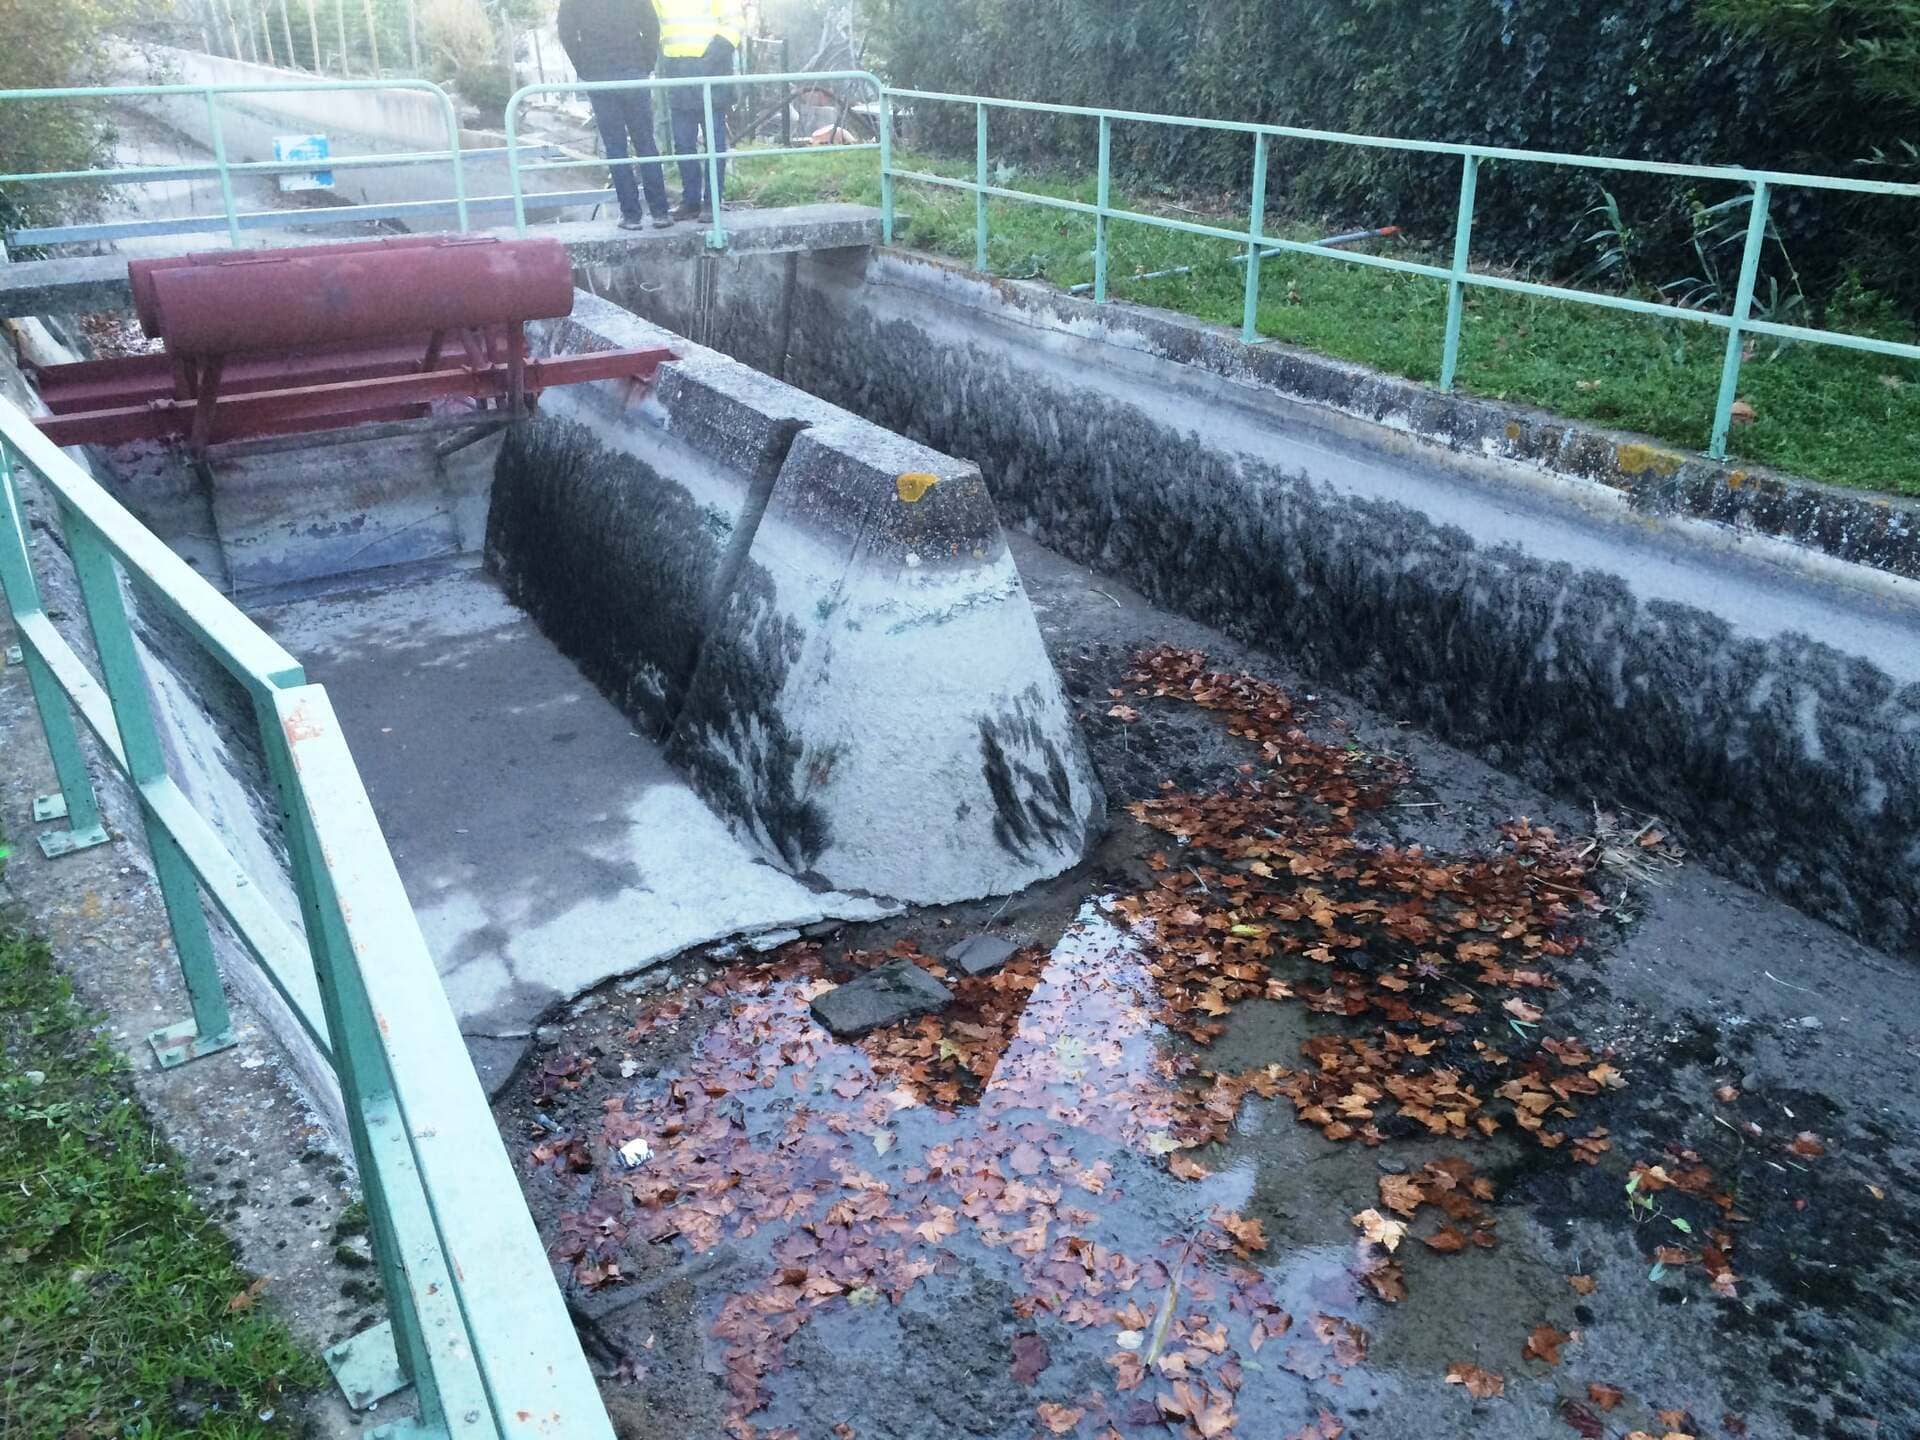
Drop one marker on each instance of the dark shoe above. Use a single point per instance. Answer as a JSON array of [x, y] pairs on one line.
[[633, 222], [662, 222], [684, 211]]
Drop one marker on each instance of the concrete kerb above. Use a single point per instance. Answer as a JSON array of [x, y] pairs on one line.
[[1653, 476], [821, 617]]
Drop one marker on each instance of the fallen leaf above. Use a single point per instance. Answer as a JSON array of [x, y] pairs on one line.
[[1185, 1168], [1481, 1384], [1544, 1344], [1582, 1284], [1808, 1144], [1030, 1358], [1727, 1094], [1743, 413], [1380, 1230], [1401, 1194], [1523, 1012], [1582, 1420], [1060, 1419], [246, 1298], [1605, 1396], [1447, 1240], [1125, 714]]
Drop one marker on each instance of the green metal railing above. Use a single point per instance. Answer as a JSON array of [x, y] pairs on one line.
[[476, 1321], [223, 170], [711, 158], [1739, 322]]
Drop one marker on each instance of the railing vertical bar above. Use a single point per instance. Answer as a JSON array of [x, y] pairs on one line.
[[1257, 228], [716, 237], [1103, 198], [980, 195], [357, 1059], [126, 685], [514, 179], [1462, 252], [218, 142], [1742, 312], [453, 155], [56, 718], [886, 166]]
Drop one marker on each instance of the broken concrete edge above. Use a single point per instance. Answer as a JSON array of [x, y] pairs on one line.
[[89, 284], [823, 618], [1878, 531]]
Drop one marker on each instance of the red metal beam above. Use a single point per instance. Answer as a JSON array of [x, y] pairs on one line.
[[347, 402]]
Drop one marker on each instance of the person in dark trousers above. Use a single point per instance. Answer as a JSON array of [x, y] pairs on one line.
[[620, 40], [698, 37]]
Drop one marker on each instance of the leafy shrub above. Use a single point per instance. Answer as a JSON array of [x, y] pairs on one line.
[[1726, 82]]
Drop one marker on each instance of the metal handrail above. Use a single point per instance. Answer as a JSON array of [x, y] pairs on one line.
[[1458, 275], [224, 169], [717, 236], [477, 1323]]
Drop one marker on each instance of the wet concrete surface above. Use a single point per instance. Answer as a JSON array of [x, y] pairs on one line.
[[545, 845], [972, 1224]]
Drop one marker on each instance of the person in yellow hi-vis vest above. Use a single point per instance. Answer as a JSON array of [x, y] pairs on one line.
[[698, 37]]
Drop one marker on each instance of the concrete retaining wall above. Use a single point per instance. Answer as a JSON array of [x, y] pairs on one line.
[[1762, 696], [821, 619]]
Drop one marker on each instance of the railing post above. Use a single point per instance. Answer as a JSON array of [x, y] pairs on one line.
[[716, 237], [75, 800], [219, 143], [514, 180], [1456, 286], [980, 190], [211, 1028], [1742, 312], [1102, 197], [886, 166], [453, 155], [360, 1364], [1257, 229]]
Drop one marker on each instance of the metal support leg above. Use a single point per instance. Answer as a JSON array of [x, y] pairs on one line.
[[980, 189], [75, 802], [1462, 251], [210, 1028], [1103, 197], [1257, 228], [386, 1357], [1742, 311]]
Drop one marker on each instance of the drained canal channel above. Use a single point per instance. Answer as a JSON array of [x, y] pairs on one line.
[[1014, 868]]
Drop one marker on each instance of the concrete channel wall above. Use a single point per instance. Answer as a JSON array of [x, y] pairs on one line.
[[1761, 695], [821, 620]]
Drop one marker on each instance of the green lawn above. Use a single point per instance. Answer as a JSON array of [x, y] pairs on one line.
[[1840, 416], [122, 1312]]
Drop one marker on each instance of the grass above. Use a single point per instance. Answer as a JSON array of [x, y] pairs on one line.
[[1844, 417], [122, 1311]]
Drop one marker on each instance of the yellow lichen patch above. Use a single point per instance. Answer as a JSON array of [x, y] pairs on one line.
[[914, 484], [1638, 459], [1513, 429], [1736, 479]]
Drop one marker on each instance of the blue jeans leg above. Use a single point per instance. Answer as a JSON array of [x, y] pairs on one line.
[[637, 112], [686, 141], [610, 115]]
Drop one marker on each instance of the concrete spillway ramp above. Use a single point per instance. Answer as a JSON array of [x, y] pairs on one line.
[[821, 620]]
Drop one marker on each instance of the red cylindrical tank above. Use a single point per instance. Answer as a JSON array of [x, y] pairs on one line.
[[140, 271], [277, 302]]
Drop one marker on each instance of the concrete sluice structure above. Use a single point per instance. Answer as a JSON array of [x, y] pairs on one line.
[[748, 651], [656, 667]]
